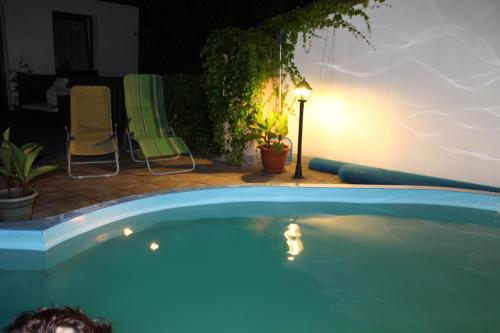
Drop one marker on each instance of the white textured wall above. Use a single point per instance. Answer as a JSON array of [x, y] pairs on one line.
[[28, 32], [426, 100]]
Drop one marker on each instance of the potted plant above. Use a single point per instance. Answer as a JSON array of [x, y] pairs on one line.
[[270, 132], [17, 169]]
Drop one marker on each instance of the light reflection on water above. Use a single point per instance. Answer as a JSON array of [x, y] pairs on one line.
[[295, 245]]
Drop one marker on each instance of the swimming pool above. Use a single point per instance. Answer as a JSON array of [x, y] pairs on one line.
[[267, 259]]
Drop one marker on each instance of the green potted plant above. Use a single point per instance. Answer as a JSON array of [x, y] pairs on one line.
[[270, 132], [18, 171]]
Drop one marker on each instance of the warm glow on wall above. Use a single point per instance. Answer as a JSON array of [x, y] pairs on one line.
[[342, 122], [423, 99], [333, 108]]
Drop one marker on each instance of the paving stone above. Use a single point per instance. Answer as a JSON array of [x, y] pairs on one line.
[[58, 193]]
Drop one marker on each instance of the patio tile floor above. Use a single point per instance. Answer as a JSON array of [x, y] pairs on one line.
[[58, 193]]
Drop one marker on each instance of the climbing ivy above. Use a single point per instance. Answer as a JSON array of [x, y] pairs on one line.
[[238, 63], [185, 97]]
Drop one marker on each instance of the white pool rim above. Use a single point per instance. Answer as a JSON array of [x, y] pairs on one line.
[[43, 234]]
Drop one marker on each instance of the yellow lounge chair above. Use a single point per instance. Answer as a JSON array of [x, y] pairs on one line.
[[92, 131]]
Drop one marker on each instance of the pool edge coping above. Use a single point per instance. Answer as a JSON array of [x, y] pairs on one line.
[[43, 234]]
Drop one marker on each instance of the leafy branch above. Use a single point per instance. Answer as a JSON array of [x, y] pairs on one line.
[[238, 63], [17, 165]]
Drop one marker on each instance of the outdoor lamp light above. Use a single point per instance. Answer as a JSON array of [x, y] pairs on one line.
[[302, 92]]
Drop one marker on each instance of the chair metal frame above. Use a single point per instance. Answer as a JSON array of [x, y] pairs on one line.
[[113, 137]]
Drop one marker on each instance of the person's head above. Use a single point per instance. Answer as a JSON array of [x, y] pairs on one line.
[[57, 320]]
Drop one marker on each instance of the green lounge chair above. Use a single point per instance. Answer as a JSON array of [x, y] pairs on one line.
[[148, 125]]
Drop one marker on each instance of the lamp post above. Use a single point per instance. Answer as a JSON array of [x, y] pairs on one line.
[[302, 92]]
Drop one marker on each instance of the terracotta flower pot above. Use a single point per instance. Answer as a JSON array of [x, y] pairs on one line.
[[17, 209], [272, 162]]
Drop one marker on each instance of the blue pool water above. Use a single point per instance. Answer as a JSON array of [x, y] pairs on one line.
[[273, 267]]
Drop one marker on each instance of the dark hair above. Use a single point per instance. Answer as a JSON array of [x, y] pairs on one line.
[[47, 320]]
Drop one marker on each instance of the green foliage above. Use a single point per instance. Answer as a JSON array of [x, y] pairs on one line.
[[17, 165], [238, 63], [185, 96], [281, 127], [235, 74], [269, 131]]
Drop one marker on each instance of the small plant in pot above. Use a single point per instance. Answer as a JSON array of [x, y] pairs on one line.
[[270, 132], [18, 171]]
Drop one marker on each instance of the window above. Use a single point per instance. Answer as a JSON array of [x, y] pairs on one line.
[[73, 43]]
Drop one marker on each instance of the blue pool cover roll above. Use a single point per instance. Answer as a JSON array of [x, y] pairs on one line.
[[360, 174], [322, 164]]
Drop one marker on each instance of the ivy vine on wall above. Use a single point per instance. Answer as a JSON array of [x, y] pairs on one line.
[[238, 63], [185, 97]]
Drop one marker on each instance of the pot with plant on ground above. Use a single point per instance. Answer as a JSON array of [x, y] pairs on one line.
[[270, 132], [18, 171]]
